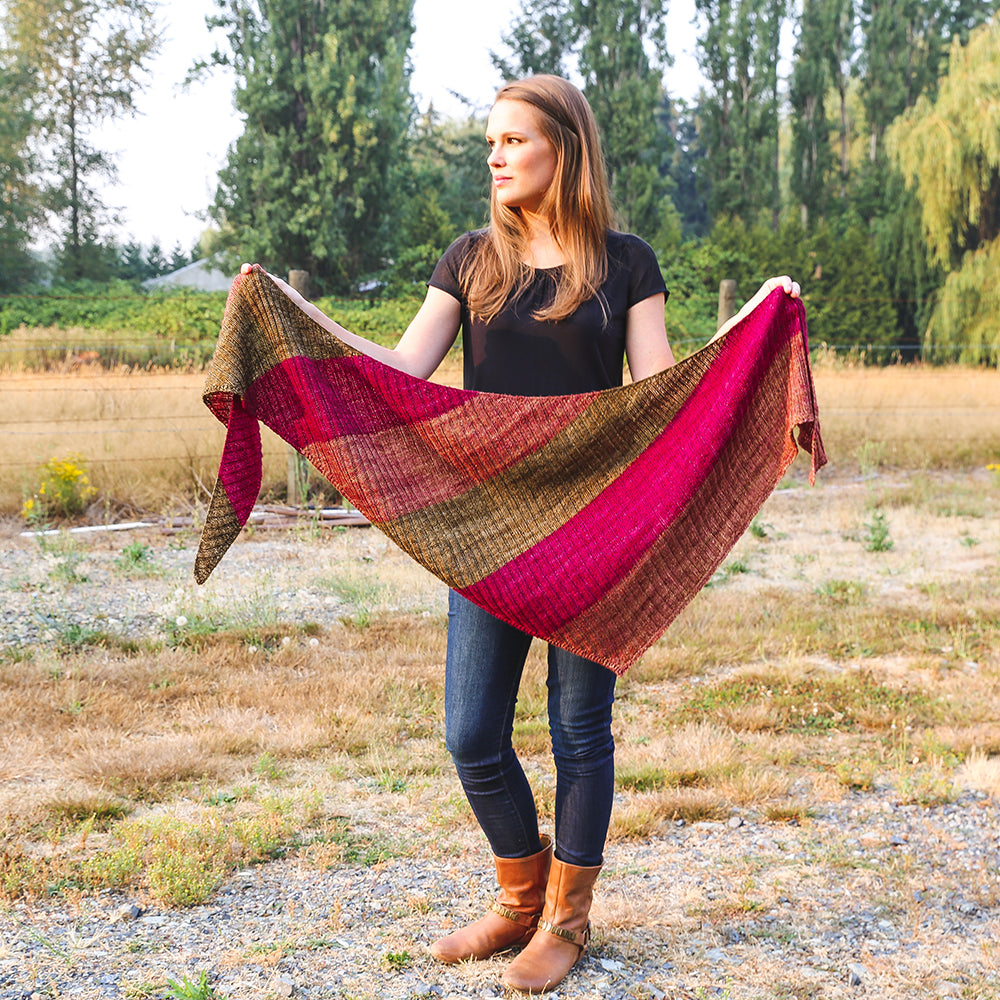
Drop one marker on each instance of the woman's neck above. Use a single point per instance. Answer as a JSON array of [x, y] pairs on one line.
[[543, 250]]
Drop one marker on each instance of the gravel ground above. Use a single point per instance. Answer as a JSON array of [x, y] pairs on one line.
[[290, 929], [867, 898]]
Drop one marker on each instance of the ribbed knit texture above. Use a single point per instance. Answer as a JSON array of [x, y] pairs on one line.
[[588, 520]]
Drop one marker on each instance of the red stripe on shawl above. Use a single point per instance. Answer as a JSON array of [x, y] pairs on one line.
[[366, 422], [571, 566], [240, 468]]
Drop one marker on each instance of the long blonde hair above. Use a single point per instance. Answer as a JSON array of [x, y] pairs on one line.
[[577, 206]]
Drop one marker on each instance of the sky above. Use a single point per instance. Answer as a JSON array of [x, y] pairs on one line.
[[169, 153]]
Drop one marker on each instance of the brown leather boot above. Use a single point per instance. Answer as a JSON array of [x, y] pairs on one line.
[[511, 917], [563, 931]]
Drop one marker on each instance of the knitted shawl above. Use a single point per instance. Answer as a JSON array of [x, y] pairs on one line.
[[588, 520]]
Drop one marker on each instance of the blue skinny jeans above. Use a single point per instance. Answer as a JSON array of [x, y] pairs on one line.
[[483, 672]]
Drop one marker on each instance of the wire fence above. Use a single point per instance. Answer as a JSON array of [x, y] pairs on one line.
[[145, 420]]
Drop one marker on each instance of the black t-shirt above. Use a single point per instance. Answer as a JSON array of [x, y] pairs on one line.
[[517, 354]]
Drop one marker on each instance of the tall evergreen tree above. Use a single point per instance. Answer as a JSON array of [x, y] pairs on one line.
[[739, 57], [540, 40], [88, 60], [622, 54], [811, 161], [20, 207], [324, 89]]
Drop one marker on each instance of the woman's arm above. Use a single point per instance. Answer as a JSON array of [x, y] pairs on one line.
[[423, 344], [784, 282], [646, 345]]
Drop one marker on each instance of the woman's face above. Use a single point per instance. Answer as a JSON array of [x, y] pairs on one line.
[[522, 161]]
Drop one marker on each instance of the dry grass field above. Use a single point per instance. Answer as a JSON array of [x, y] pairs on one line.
[[808, 766], [148, 442]]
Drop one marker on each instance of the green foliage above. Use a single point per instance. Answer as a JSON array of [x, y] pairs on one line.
[[952, 157], [191, 989], [136, 559], [812, 155], [20, 206], [876, 535], [816, 703], [540, 40], [964, 326], [622, 50], [951, 160], [314, 180], [739, 57], [115, 307], [86, 60], [63, 491]]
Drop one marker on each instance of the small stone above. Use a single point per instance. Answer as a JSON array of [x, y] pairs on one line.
[[610, 965], [649, 990], [856, 974], [282, 987], [126, 912], [735, 822], [898, 840]]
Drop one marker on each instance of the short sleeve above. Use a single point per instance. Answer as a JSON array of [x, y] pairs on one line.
[[643, 269], [446, 272]]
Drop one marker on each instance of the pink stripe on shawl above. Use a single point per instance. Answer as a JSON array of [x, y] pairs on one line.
[[560, 577], [241, 477]]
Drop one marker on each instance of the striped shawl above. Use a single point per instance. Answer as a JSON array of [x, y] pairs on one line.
[[588, 520]]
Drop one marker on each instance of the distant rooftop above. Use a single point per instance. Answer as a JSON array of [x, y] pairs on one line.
[[204, 275]]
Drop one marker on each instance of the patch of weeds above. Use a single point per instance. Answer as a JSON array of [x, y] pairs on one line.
[[319, 944], [735, 568], [16, 654], [340, 844], [394, 783], [760, 530], [870, 456], [75, 636], [790, 813], [640, 778], [64, 490], [361, 596], [810, 704], [968, 541], [924, 787], [99, 813], [844, 592], [140, 946], [267, 766], [191, 989], [139, 991], [876, 534], [397, 961], [286, 947], [136, 559], [635, 822], [857, 774]]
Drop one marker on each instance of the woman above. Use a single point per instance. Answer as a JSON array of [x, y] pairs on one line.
[[550, 300]]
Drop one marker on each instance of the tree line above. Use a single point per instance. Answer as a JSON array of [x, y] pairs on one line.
[[868, 166]]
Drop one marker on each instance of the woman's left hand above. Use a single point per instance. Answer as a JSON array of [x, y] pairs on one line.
[[783, 282]]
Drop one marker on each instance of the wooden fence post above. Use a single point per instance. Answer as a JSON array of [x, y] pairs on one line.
[[297, 468], [727, 301]]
